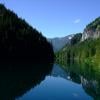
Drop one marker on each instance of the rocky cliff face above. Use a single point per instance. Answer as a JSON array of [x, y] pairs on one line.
[[92, 30], [90, 34]]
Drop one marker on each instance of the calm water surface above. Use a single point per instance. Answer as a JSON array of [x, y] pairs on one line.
[[77, 83]]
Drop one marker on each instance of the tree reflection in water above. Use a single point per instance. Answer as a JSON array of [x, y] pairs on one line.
[[85, 74], [17, 79]]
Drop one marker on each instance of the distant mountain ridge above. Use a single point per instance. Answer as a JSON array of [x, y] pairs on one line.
[[92, 31], [59, 43]]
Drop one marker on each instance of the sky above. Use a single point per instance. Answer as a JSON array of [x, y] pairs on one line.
[[56, 18]]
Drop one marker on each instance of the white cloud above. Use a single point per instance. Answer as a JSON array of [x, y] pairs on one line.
[[77, 21]]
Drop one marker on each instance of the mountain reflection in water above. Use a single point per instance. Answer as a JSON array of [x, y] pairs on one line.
[[50, 82], [74, 83], [17, 79], [87, 75]]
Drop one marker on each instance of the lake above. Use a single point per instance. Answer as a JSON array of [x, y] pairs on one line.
[[73, 83]]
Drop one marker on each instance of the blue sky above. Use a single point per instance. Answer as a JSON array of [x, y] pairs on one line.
[[56, 18]]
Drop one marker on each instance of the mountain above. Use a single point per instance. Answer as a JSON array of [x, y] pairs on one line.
[[57, 71], [85, 49], [59, 43], [19, 42], [92, 30]]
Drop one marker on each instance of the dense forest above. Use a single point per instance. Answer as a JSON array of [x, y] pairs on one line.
[[95, 25], [20, 42], [82, 51]]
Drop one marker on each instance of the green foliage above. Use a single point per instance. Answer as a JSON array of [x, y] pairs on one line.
[[98, 28], [87, 55], [19, 41], [93, 25], [87, 51], [76, 38]]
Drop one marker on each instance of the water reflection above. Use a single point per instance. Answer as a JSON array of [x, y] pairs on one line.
[[17, 79], [87, 75], [75, 82], [58, 85]]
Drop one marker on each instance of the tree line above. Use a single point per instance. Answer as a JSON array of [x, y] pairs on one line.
[[20, 42]]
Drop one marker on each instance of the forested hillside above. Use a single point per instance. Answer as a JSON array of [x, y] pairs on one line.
[[92, 30], [20, 42], [84, 51]]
